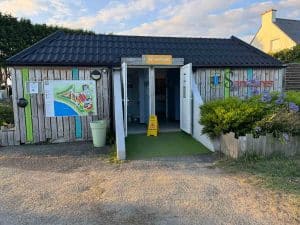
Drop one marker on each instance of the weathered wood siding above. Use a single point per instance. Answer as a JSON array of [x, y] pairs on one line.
[[264, 145], [292, 77], [54, 129], [237, 82]]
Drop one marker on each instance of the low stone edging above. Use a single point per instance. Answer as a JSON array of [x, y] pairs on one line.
[[263, 145]]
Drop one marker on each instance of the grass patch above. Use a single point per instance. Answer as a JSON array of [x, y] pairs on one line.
[[139, 146], [275, 172]]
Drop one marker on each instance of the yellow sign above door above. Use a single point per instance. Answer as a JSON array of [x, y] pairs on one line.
[[158, 59]]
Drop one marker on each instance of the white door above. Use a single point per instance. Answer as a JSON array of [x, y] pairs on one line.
[[125, 99], [186, 98]]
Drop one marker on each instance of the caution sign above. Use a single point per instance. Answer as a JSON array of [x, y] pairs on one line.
[[152, 126]]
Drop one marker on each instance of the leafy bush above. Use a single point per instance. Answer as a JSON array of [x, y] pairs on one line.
[[289, 55], [231, 115], [6, 114], [267, 113], [293, 96], [280, 122]]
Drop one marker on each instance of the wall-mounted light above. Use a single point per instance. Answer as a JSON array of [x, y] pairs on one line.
[[98, 73]]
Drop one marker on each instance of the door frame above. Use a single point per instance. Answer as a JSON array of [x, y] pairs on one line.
[[151, 77]]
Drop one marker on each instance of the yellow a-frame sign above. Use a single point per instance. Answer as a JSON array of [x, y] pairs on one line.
[[152, 126]]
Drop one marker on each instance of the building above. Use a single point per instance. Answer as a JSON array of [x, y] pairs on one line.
[[276, 34], [129, 78]]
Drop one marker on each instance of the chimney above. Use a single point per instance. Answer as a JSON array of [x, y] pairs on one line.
[[269, 16]]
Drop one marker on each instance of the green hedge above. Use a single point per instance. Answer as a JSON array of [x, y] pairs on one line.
[[289, 55], [6, 114], [273, 113]]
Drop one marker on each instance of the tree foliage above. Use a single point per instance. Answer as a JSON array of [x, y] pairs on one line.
[[18, 34], [289, 55]]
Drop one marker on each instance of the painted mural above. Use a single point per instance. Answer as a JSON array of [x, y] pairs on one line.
[[70, 98]]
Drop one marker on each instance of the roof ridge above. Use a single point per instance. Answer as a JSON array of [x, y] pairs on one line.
[[287, 19], [36, 45], [163, 36], [258, 51]]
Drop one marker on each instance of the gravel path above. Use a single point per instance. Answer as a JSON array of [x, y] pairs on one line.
[[57, 185]]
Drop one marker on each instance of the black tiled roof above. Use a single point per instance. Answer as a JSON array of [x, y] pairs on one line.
[[64, 49], [290, 27]]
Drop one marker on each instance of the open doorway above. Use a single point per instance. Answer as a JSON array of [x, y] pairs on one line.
[[167, 98], [138, 99]]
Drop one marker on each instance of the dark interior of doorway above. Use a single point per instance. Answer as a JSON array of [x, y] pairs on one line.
[[167, 97], [138, 99]]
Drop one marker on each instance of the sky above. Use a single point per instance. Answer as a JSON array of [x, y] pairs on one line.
[[192, 18]]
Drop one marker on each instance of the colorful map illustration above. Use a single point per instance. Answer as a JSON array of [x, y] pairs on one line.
[[70, 98]]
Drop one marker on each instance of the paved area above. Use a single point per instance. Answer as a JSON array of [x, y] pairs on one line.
[[75, 184]]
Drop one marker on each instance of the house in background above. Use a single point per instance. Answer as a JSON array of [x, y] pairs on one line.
[[276, 34]]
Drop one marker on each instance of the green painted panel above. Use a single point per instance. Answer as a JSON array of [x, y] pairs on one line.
[[28, 113], [227, 83]]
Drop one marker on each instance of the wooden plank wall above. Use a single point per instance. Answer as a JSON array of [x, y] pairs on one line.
[[263, 145], [55, 129], [238, 81], [292, 77]]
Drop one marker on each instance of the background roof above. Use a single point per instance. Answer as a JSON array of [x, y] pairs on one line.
[[65, 49], [290, 27]]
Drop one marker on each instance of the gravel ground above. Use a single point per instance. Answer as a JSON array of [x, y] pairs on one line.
[[74, 184]]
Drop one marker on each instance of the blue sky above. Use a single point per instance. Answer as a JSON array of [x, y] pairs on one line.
[[196, 18]]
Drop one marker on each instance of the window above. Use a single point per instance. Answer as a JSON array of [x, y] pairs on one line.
[[275, 45]]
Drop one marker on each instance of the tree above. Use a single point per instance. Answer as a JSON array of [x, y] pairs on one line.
[[18, 34], [289, 55]]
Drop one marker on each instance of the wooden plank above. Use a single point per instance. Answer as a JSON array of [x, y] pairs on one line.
[[98, 93], [203, 83], [78, 129], [105, 96], [66, 123], [88, 118], [34, 112], [17, 137], [47, 120], [53, 120], [4, 141], [40, 109], [207, 84], [227, 83], [280, 79], [10, 137], [28, 112], [71, 118], [109, 94], [263, 78], [83, 118], [222, 74], [59, 119], [21, 111]]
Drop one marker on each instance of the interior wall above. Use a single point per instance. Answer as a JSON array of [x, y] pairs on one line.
[[173, 85], [138, 95], [167, 94], [133, 95]]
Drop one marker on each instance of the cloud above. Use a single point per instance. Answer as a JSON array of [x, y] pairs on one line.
[[214, 19], [114, 12], [200, 18], [22, 8]]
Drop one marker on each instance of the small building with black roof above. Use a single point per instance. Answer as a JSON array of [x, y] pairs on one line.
[[164, 76]]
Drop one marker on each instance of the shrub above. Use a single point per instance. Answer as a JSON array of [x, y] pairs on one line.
[[6, 114], [266, 113], [231, 115], [289, 55], [293, 96], [280, 122]]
